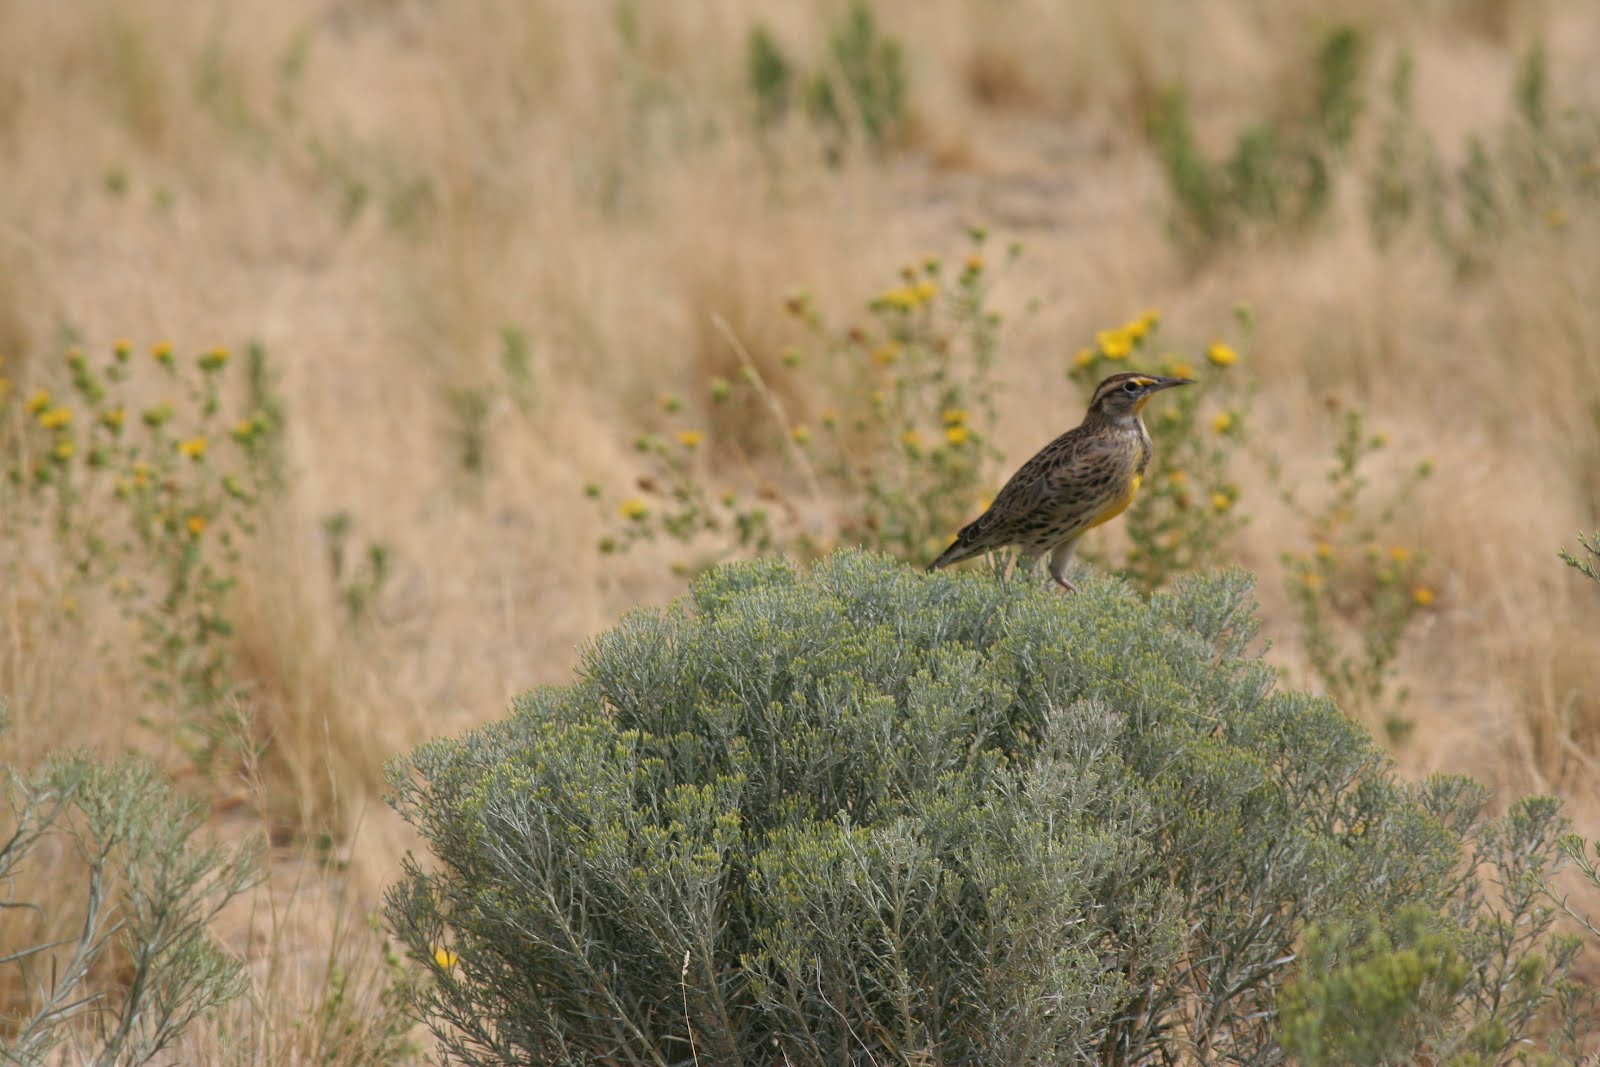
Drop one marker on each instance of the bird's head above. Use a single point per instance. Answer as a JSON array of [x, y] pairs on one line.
[[1122, 396]]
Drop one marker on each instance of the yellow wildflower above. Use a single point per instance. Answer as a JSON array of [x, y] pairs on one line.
[[1399, 553], [1324, 550], [112, 419], [65, 449], [829, 418], [1223, 422], [1084, 357], [194, 448], [1221, 502], [1312, 581], [956, 435], [55, 418], [902, 298], [635, 509], [1222, 354], [445, 958], [214, 359], [1422, 596], [690, 438], [974, 264], [1137, 329], [122, 348], [1114, 344], [1180, 369], [162, 353], [911, 439], [196, 525], [801, 435], [925, 291], [954, 416], [38, 401], [141, 475], [886, 353]]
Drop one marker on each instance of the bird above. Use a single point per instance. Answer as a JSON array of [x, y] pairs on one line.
[[1087, 476]]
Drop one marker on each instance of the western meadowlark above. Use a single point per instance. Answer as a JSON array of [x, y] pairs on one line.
[[1083, 478]]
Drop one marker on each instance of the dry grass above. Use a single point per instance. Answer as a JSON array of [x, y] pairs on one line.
[[375, 189]]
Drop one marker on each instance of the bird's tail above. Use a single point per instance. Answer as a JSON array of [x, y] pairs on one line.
[[959, 550]]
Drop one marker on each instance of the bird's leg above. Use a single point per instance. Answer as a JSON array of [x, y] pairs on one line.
[[1059, 558]]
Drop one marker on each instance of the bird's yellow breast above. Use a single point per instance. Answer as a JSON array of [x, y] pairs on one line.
[[1118, 504]]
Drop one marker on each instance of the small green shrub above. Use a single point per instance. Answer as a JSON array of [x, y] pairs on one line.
[[149, 507], [1355, 599], [1590, 566], [1533, 172], [858, 89], [870, 816], [1279, 175], [1367, 996], [147, 894]]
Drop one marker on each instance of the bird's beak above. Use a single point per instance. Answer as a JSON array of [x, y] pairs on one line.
[[1168, 383]]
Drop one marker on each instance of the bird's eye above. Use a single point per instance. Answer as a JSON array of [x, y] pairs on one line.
[[1130, 387]]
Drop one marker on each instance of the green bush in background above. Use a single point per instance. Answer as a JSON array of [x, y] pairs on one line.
[[867, 816]]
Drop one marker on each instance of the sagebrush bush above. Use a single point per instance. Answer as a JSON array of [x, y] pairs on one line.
[[117, 959], [864, 815]]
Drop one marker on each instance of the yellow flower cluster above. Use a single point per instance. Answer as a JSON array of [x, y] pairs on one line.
[[1222, 354], [194, 448], [908, 297], [1118, 342], [634, 510], [955, 426], [690, 438]]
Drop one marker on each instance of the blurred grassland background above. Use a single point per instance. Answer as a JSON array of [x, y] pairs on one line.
[[478, 244]]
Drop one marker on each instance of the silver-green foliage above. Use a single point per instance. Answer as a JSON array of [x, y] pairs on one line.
[[146, 897], [864, 815]]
